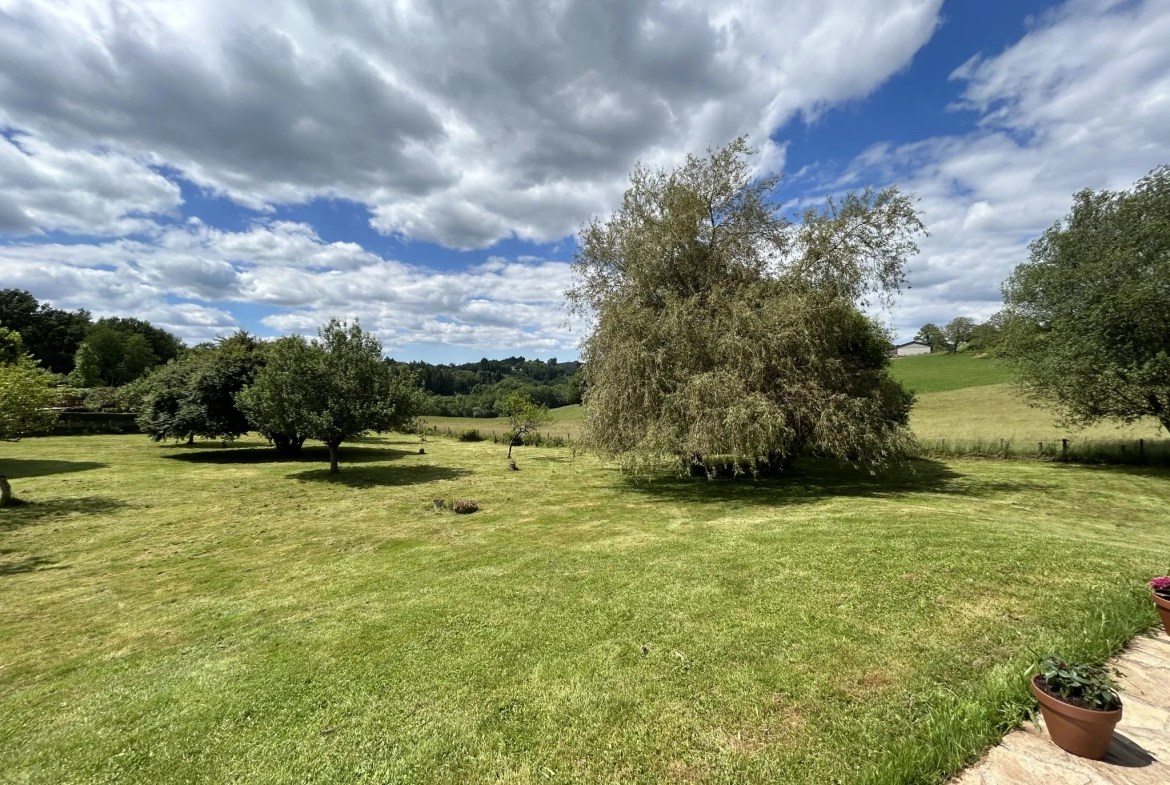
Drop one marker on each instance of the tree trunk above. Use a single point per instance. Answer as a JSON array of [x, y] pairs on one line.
[[190, 439], [510, 443], [696, 468], [333, 458], [5, 492], [287, 446]]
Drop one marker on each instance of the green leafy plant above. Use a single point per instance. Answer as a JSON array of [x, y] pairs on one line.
[[1087, 686], [470, 435]]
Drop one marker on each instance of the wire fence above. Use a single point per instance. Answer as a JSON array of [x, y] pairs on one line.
[[533, 439], [1135, 452]]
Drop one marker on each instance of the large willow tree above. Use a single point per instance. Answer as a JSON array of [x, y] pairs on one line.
[[726, 335]]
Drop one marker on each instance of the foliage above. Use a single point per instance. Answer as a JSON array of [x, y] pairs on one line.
[[524, 416], [196, 394], [476, 389], [86, 369], [958, 331], [1079, 684], [49, 334], [1161, 586], [26, 392], [333, 389], [932, 335], [11, 347], [276, 401], [985, 337], [1088, 327], [724, 332], [470, 435]]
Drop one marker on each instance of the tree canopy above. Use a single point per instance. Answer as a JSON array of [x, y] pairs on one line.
[[1088, 315], [26, 392], [334, 389], [524, 416], [50, 335], [958, 331], [723, 332], [195, 396]]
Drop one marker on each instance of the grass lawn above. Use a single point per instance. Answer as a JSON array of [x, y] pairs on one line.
[[992, 412], [566, 421], [931, 373], [207, 615]]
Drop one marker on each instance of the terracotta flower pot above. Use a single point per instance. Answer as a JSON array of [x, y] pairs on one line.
[[1163, 611], [1083, 732]]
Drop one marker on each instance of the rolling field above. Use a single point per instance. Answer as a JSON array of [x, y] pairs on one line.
[[961, 398], [212, 615]]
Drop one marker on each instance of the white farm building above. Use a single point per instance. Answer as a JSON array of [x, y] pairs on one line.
[[910, 349]]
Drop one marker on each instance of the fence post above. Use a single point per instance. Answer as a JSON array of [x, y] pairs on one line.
[[1064, 448], [1040, 448], [1142, 449]]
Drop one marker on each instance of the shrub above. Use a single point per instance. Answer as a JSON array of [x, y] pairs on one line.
[[1086, 686], [464, 506], [470, 435]]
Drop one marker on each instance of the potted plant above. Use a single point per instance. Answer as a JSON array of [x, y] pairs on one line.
[[1079, 704], [1161, 593]]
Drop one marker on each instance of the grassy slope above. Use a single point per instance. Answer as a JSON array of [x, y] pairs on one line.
[[207, 615], [932, 373], [566, 421]]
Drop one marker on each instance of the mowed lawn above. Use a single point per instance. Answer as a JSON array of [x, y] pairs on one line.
[[208, 615]]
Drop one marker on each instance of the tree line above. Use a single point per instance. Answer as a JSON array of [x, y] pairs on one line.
[[479, 389]]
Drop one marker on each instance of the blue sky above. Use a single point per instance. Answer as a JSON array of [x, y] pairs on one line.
[[424, 166]]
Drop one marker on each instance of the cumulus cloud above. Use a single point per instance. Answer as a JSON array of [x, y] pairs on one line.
[[44, 188], [1081, 101], [454, 122], [186, 279]]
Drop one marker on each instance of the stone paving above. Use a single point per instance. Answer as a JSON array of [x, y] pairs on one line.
[[1139, 754]]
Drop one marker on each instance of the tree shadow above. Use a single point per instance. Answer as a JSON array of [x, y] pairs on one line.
[[349, 453], [21, 468], [379, 476], [25, 513], [27, 564], [813, 479]]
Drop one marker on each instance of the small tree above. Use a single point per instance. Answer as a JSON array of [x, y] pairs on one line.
[[86, 372], [1088, 327], [958, 331], [932, 335], [524, 416], [333, 389], [26, 393]]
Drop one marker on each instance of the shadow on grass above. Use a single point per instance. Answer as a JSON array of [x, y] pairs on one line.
[[349, 453], [25, 513], [814, 479], [371, 476], [20, 468], [27, 564]]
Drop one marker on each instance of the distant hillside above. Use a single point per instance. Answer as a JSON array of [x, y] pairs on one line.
[[941, 371], [475, 389]]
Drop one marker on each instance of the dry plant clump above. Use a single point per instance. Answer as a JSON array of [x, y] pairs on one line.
[[464, 506]]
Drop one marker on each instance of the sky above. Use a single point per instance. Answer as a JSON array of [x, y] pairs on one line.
[[424, 165]]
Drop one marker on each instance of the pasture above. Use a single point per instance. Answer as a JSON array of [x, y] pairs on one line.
[[205, 614]]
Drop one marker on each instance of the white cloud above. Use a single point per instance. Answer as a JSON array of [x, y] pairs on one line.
[[43, 188], [501, 303], [1081, 101], [455, 122]]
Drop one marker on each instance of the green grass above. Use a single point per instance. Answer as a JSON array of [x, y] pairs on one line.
[[566, 421], [210, 615], [931, 373]]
